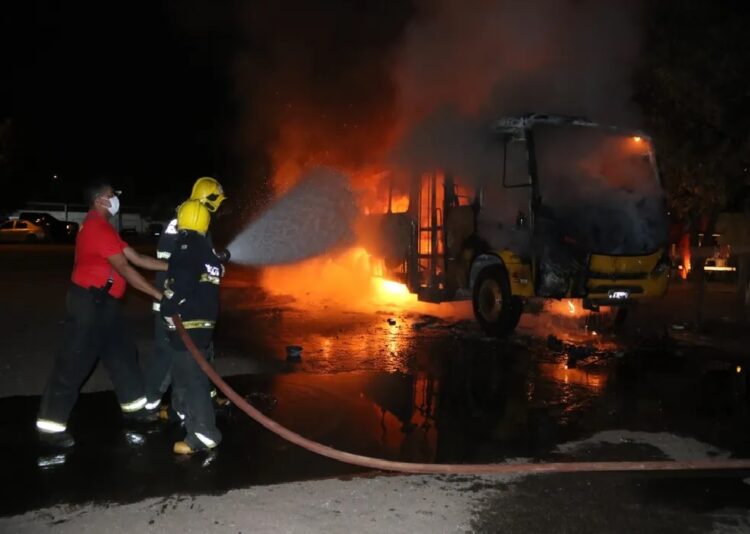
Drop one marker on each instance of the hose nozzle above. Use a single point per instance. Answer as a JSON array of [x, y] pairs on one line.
[[224, 256]]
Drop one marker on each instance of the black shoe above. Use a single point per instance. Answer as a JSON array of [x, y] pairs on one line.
[[59, 440]]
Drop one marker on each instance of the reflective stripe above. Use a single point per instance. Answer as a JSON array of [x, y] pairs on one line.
[[156, 306], [50, 427], [205, 277], [180, 415], [189, 325], [213, 393], [152, 405], [208, 442], [160, 254], [134, 406]]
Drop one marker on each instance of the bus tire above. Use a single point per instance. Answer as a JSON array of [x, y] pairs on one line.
[[495, 308]]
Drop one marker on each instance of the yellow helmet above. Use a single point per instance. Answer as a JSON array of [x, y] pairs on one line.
[[192, 215], [209, 192]]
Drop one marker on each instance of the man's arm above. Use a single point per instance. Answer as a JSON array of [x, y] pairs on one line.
[[133, 277], [143, 261]]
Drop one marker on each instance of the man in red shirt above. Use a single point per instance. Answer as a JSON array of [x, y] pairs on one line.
[[94, 326]]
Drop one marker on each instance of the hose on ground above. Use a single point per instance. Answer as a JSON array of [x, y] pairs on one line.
[[449, 469]]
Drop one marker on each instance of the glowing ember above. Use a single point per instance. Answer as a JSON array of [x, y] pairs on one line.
[[571, 307]]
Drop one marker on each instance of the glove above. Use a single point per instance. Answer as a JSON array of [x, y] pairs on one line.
[[224, 256]]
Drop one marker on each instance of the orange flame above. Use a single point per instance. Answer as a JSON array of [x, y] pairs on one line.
[[351, 280]]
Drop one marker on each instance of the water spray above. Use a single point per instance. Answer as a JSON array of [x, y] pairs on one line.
[[315, 216]]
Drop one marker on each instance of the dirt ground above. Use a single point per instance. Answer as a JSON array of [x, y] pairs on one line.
[[621, 406]]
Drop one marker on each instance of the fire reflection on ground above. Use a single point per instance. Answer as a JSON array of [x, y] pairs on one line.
[[591, 379], [394, 413]]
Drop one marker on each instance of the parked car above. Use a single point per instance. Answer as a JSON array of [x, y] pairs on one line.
[[56, 229], [21, 230]]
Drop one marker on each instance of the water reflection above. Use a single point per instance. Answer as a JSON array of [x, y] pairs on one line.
[[470, 407], [593, 379], [50, 461]]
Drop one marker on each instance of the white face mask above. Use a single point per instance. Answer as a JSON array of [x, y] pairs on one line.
[[114, 205]]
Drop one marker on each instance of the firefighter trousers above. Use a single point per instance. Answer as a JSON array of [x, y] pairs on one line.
[[158, 371], [191, 394], [92, 330]]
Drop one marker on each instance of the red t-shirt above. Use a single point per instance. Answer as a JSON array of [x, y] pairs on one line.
[[97, 240]]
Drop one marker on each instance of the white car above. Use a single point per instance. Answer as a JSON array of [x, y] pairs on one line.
[[21, 230]]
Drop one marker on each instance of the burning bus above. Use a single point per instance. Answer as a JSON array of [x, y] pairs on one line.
[[571, 209]]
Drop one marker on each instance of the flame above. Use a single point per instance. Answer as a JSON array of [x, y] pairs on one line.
[[685, 252], [388, 289], [351, 280], [568, 307]]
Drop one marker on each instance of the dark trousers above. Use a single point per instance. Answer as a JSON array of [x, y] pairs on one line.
[[191, 395], [92, 330], [158, 372]]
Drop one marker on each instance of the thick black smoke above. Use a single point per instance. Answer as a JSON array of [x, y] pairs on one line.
[[464, 64]]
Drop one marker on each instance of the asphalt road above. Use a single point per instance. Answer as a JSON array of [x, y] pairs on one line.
[[391, 383]]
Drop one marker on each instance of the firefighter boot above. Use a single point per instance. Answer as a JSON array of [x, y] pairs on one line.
[[194, 442]]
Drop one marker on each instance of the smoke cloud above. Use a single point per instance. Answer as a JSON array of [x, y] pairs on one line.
[[463, 64]]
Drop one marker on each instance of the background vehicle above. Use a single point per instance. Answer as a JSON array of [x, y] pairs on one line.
[[568, 208], [20, 230], [55, 229]]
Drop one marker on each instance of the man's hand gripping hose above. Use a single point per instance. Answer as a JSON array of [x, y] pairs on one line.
[[466, 469]]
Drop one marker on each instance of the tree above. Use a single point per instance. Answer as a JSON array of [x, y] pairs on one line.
[[692, 85]]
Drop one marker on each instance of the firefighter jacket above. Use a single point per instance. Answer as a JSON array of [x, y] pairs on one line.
[[164, 249], [192, 288]]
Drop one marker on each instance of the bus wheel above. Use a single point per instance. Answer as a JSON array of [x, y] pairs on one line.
[[496, 310]]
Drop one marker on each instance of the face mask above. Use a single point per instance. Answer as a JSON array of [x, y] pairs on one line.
[[114, 205]]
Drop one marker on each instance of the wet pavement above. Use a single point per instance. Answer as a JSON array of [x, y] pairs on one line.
[[404, 386], [471, 400]]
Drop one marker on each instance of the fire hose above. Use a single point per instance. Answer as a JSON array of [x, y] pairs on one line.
[[450, 469]]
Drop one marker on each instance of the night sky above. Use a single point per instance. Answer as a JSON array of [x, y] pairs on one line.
[[153, 94], [113, 90]]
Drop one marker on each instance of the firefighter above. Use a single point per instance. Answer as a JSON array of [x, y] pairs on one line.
[[158, 375], [94, 326], [192, 292]]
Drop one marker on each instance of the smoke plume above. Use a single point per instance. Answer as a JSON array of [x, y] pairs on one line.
[[463, 64]]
